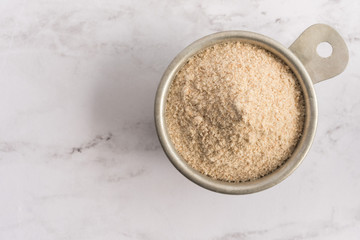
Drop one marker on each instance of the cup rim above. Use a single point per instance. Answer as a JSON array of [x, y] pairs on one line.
[[303, 145]]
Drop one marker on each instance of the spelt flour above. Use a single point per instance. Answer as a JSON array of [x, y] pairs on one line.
[[235, 112]]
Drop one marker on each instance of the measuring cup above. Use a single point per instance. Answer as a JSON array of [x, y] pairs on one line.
[[306, 64]]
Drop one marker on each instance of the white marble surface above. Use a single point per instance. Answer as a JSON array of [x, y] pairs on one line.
[[79, 156]]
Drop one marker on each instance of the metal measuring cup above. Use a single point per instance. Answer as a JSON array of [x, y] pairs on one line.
[[308, 67]]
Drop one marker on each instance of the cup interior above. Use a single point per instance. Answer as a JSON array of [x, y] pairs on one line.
[[303, 145]]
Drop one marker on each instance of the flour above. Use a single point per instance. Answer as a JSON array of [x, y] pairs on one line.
[[235, 112]]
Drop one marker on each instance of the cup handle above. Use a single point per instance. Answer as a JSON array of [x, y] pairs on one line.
[[320, 68]]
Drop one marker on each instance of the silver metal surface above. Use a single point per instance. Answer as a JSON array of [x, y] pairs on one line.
[[320, 68], [310, 120]]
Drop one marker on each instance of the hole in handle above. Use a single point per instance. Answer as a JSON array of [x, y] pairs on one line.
[[324, 49]]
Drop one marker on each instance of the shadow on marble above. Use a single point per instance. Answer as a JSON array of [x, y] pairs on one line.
[[123, 99]]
